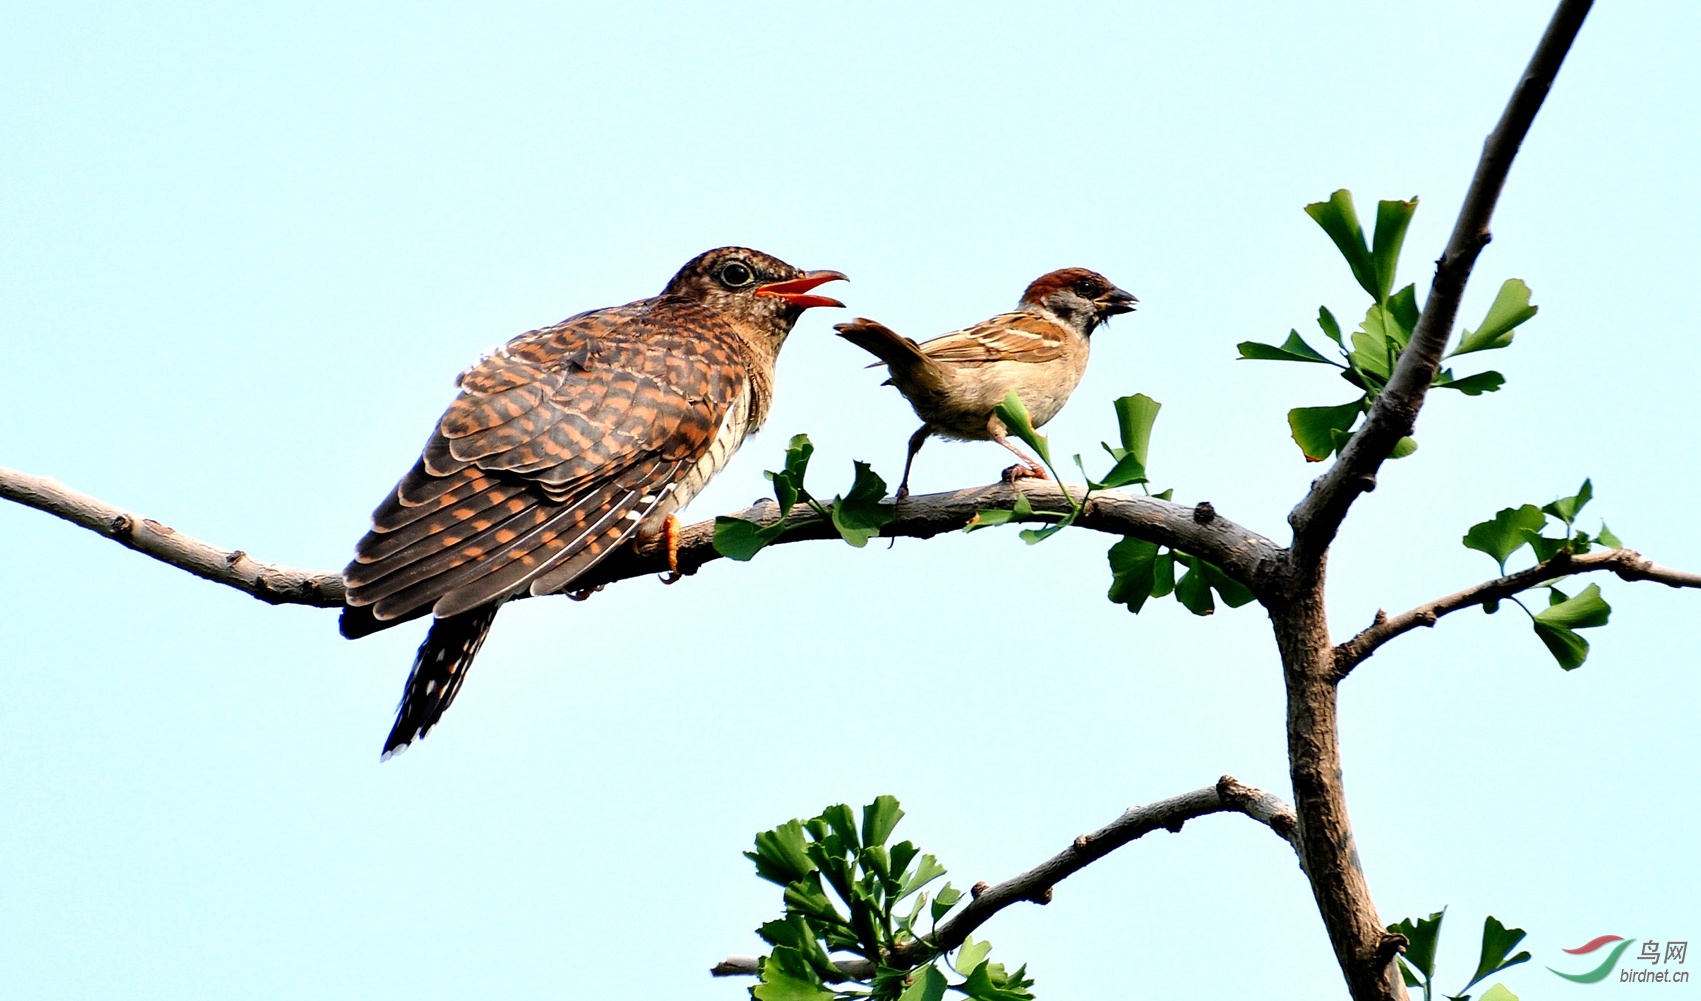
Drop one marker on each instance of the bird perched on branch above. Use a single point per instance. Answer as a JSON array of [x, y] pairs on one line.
[[1038, 352], [563, 444]]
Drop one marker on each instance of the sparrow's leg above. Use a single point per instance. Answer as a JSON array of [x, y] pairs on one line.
[[1029, 467], [916, 441]]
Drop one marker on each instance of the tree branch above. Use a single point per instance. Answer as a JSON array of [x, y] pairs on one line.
[[1243, 554], [279, 585], [1318, 517], [1229, 795], [1626, 563]]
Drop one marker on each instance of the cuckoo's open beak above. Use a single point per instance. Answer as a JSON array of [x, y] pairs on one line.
[[796, 291]]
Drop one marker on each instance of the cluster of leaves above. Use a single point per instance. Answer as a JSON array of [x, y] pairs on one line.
[[1512, 529], [857, 515], [869, 882], [1139, 569], [1417, 966], [1135, 416], [1369, 354]]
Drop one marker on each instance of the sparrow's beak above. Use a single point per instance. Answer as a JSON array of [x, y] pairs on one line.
[[1114, 302], [796, 291]]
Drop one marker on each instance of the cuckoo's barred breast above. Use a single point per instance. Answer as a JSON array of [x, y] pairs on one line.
[[561, 444]]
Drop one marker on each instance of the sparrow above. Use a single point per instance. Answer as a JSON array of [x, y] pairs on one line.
[[564, 444], [1038, 352]]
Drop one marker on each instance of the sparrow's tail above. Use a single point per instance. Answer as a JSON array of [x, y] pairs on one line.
[[903, 358], [438, 670]]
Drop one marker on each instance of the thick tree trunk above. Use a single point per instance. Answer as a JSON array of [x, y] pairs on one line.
[[1325, 834]]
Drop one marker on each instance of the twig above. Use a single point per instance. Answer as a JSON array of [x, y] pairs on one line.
[[279, 585], [1318, 517], [1626, 563], [1229, 795], [1243, 554]]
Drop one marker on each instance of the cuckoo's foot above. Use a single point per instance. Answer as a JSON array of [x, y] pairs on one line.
[[670, 535]]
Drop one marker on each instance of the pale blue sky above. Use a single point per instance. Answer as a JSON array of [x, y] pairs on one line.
[[244, 253]]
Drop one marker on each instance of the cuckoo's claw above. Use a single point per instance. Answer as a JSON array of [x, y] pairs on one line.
[[670, 533]]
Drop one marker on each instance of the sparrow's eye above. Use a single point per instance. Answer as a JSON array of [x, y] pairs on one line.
[[736, 275], [1086, 288]]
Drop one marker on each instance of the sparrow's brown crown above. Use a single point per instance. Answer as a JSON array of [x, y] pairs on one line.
[[1080, 298]]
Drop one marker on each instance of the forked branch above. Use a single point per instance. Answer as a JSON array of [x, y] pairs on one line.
[[1318, 517], [1626, 563], [1229, 795]]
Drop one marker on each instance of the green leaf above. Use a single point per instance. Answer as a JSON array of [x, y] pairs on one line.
[[1128, 470], [928, 984], [1340, 220], [785, 978], [1585, 611], [878, 819], [1403, 308], [860, 515], [1422, 936], [1034, 536], [947, 899], [1607, 539], [1293, 349], [1497, 941], [1566, 508], [989, 982], [737, 539], [1544, 547], [1135, 416], [1020, 510], [1133, 572], [926, 871], [1511, 308], [1193, 591], [1504, 534], [1233, 592], [1377, 342], [1402, 448], [1326, 320], [1392, 218], [1568, 648], [1406, 975], [1498, 993], [971, 954], [1014, 414], [1314, 427], [1475, 385], [781, 855]]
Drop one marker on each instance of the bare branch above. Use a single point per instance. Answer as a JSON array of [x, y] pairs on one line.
[[1627, 564], [1318, 517], [1243, 554], [278, 585], [1229, 795]]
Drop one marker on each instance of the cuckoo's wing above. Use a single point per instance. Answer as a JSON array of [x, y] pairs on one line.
[[558, 447], [1010, 337]]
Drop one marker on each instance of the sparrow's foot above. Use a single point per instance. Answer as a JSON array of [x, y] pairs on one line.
[[1023, 471], [581, 595], [670, 534]]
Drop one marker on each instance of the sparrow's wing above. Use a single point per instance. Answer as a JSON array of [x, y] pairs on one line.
[[559, 446], [1010, 337]]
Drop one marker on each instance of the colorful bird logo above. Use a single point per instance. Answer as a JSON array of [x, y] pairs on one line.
[[1600, 972]]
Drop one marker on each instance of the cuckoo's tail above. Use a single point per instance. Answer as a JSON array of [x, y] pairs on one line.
[[438, 670]]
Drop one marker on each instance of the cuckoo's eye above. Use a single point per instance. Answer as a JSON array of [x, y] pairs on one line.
[[735, 274]]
